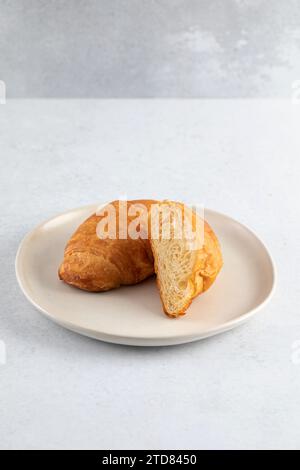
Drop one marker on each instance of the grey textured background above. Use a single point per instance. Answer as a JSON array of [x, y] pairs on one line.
[[148, 48]]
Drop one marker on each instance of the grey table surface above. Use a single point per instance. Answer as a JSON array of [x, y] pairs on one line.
[[236, 390]]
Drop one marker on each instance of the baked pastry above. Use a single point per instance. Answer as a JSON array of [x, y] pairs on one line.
[[186, 262], [96, 265]]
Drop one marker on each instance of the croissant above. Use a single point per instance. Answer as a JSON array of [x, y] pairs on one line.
[[184, 267], [96, 265]]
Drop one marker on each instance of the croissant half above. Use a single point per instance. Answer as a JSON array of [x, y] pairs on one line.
[[96, 265], [183, 272], [184, 267]]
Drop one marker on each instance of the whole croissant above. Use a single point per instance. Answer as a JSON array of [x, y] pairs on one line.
[[96, 264]]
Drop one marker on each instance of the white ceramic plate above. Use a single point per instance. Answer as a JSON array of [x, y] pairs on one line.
[[133, 315]]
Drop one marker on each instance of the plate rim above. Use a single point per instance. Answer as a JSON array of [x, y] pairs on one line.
[[151, 340]]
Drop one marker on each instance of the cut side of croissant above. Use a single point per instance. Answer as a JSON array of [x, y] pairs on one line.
[[185, 266]]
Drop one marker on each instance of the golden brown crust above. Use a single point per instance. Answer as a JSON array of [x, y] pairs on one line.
[[209, 265], [96, 265]]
